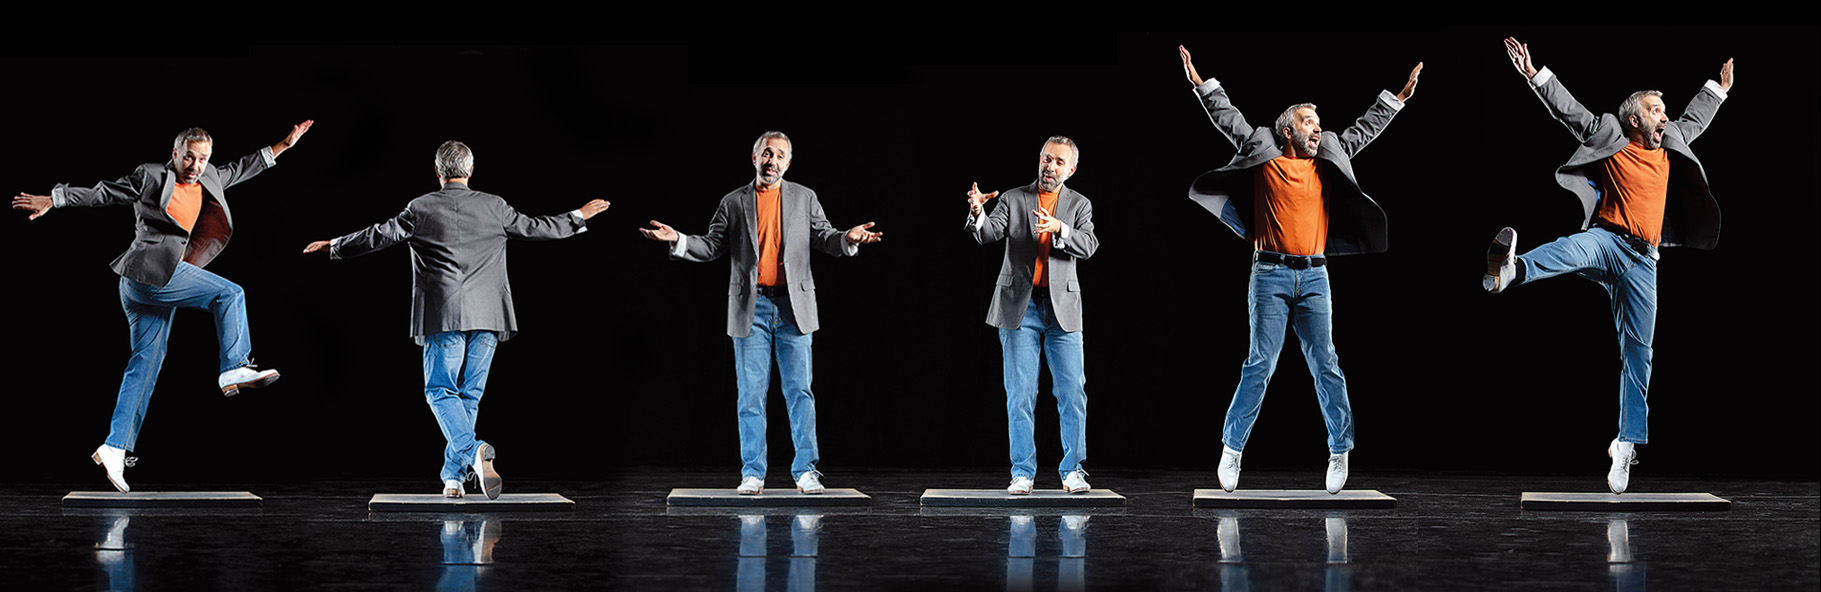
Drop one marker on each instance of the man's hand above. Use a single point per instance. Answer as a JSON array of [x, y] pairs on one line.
[[976, 201], [593, 207], [1045, 222], [859, 235], [1188, 67], [1520, 57], [317, 246], [39, 205], [297, 132], [663, 232], [1726, 75], [1410, 86]]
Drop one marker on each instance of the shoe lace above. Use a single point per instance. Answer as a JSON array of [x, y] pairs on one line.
[[130, 461], [1335, 464]]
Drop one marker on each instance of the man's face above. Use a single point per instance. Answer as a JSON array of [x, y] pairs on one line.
[[1054, 165], [189, 161], [1304, 133], [1648, 128], [772, 159]]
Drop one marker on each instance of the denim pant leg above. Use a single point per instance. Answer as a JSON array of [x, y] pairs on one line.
[[1634, 312], [1268, 295], [1068, 382], [475, 366], [1312, 316], [752, 364], [1021, 349], [444, 354], [149, 329], [794, 372]]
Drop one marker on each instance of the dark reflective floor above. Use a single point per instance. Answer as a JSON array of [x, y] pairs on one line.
[[1445, 534]]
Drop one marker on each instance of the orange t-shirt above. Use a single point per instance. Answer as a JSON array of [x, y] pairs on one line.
[[1289, 214], [771, 235], [1041, 277], [1636, 185], [186, 203]]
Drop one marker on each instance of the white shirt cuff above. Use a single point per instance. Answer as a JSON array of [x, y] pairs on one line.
[[57, 198], [266, 153], [850, 248], [1390, 99], [1542, 77], [682, 245], [1207, 86], [980, 220], [577, 214], [1060, 240], [335, 248], [1715, 87]]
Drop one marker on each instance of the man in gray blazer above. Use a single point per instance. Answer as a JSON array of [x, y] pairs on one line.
[[1047, 228], [766, 228], [1641, 188], [461, 303], [181, 222], [1290, 191]]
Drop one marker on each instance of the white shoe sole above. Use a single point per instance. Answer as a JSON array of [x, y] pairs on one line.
[[234, 389], [489, 478]]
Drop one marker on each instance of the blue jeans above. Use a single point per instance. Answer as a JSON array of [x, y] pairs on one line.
[[1039, 335], [1630, 279], [774, 331], [148, 318], [1277, 296], [455, 377]]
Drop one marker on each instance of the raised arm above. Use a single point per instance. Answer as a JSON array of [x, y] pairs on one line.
[[1704, 104], [1226, 118], [1363, 131], [252, 164], [985, 228], [1562, 105]]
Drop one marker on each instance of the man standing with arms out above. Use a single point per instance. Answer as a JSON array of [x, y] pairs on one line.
[[1037, 305], [461, 304], [1632, 204], [767, 228], [181, 222], [1290, 190]]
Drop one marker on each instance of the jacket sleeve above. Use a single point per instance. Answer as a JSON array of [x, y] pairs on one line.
[[1579, 121], [1227, 119], [989, 227], [702, 248], [1362, 132], [823, 235], [124, 190], [520, 226], [1700, 111], [1081, 242], [374, 238], [252, 164]]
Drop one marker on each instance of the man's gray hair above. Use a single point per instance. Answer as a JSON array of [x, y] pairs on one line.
[[194, 134], [1074, 151], [1287, 120], [454, 160], [759, 144], [1634, 105]]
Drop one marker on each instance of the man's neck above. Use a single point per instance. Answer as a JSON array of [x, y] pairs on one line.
[[761, 186]]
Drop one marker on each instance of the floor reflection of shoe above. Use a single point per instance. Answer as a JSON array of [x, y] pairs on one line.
[[1075, 482]]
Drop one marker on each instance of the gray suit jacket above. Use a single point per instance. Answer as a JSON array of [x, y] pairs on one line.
[[458, 257], [733, 233], [1355, 223], [1011, 220], [159, 244], [1691, 215]]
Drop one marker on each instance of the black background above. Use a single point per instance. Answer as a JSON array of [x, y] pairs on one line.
[[622, 360]]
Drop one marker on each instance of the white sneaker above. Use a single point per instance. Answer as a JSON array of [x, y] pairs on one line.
[[1075, 482], [1623, 456], [1337, 472], [1501, 260], [1229, 469], [245, 377], [452, 489], [1020, 486], [810, 483], [751, 486], [483, 471], [113, 460]]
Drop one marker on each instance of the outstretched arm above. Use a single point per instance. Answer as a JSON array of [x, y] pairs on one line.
[[1562, 105], [1704, 104], [106, 193], [985, 228], [368, 240], [1362, 132], [1226, 118], [700, 248]]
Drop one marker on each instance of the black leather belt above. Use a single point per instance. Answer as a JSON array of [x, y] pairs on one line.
[[1290, 261], [1641, 246], [773, 291]]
